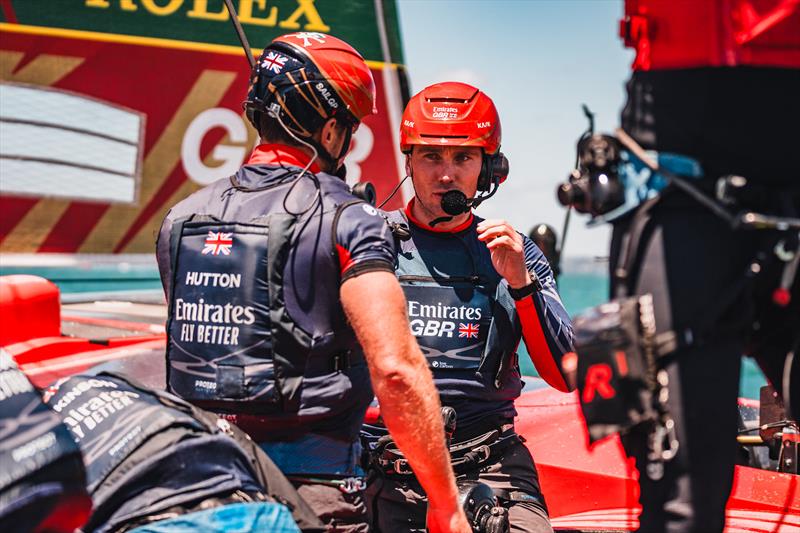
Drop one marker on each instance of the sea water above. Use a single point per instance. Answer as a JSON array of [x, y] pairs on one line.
[[582, 285], [589, 287]]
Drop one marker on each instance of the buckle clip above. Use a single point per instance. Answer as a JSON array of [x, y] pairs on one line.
[[401, 466], [663, 446], [352, 485], [341, 361]]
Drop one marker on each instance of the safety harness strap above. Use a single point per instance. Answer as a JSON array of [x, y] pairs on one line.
[[464, 456]]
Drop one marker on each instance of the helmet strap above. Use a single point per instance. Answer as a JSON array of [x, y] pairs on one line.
[[318, 151], [483, 196], [274, 112], [326, 158]]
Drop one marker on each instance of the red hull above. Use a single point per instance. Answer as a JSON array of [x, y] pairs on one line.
[[586, 489]]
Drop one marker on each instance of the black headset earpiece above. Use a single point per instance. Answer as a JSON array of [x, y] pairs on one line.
[[484, 181], [493, 166]]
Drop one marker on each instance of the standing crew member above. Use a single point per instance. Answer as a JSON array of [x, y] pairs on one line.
[[716, 82], [274, 278], [474, 288]]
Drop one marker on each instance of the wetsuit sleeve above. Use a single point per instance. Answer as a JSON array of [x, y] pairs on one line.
[[363, 241], [546, 326]]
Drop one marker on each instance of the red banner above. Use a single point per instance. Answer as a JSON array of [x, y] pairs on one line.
[[78, 177]]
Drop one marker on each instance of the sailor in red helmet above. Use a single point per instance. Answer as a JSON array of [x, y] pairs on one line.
[[717, 82], [274, 277], [474, 288]]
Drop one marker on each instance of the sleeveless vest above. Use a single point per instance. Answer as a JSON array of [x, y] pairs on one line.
[[145, 450], [233, 345], [224, 329], [40, 464], [255, 324], [462, 316]]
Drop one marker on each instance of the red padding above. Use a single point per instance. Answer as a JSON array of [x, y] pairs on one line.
[[29, 308], [537, 345], [47, 348], [71, 512], [345, 261]]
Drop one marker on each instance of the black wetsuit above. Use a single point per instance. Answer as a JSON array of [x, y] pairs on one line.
[[734, 121]]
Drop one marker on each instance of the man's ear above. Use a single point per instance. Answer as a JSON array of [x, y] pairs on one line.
[[328, 135], [408, 165]]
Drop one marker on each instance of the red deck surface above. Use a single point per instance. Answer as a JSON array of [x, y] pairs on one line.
[[596, 488]]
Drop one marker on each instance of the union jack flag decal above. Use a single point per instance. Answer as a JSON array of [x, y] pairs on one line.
[[274, 62], [218, 243], [52, 389], [469, 331]]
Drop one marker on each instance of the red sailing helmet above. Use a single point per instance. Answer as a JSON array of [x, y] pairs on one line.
[[309, 77], [451, 114]]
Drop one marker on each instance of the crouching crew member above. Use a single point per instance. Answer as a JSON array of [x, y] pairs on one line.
[[474, 288], [151, 456], [274, 278], [42, 478]]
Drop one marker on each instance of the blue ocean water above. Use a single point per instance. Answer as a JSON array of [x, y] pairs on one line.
[[580, 289]]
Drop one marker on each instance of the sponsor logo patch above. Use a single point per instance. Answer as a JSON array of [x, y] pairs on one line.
[[470, 331], [218, 243], [308, 36], [274, 62]]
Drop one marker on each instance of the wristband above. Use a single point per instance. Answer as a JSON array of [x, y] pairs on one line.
[[523, 292]]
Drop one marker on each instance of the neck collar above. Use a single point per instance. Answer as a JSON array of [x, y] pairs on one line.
[[461, 227], [280, 154]]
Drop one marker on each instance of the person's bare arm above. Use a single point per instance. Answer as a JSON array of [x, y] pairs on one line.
[[375, 305]]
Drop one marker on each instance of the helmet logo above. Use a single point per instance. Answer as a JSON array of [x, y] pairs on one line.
[[445, 112], [408, 123], [484, 124], [307, 36], [274, 62], [326, 94]]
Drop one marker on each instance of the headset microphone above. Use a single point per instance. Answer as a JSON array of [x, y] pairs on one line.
[[456, 202], [453, 203]]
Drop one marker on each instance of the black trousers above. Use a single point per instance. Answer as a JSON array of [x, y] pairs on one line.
[[339, 512], [398, 503], [741, 121]]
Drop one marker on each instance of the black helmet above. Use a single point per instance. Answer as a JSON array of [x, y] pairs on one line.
[[545, 238], [308, 78]]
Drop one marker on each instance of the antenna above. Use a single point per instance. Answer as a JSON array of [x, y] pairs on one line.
[[240, 33]]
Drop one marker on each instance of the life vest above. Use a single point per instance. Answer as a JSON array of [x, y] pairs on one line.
[[669, 34], [146, 451], [256, 328], [233, 346], [42, 478], [463, 318], [227, 319]]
